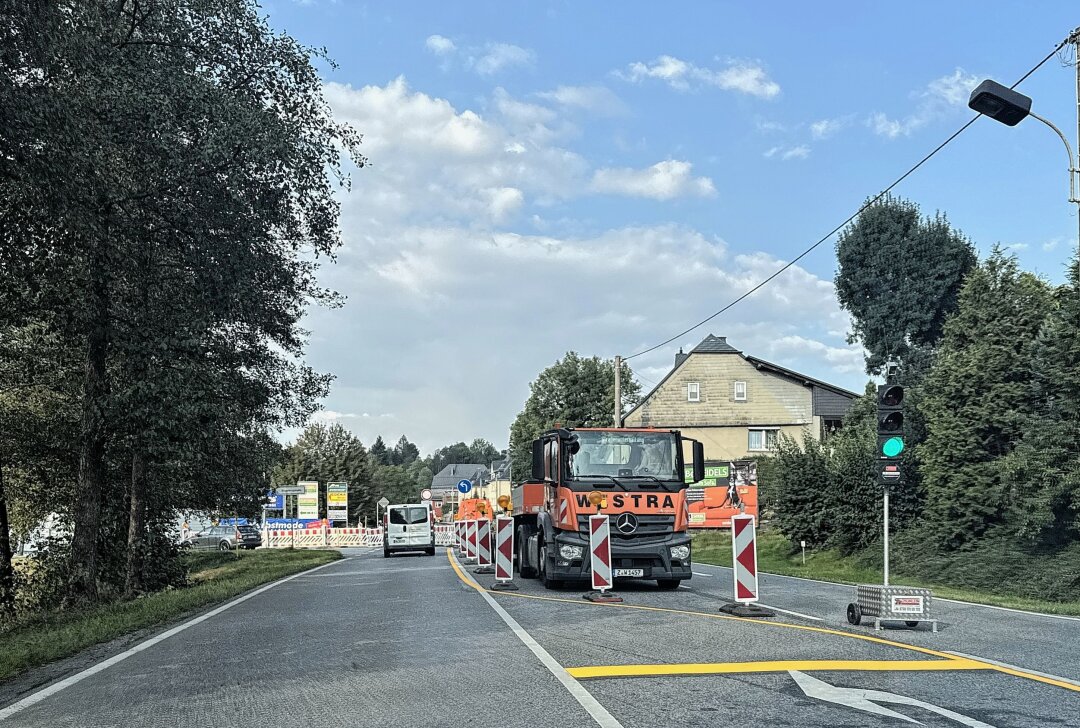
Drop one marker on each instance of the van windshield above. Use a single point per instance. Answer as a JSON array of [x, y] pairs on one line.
[[403, 516]]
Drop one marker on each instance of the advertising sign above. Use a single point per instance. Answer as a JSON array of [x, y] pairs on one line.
[[729, 488], [307, 503], [337, 501]]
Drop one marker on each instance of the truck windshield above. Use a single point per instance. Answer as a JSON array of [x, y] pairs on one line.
[[651, 456]]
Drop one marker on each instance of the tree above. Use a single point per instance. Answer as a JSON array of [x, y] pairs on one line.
[[573, 392], [977, 398], [802, 495], [405, 453], [899, 276], [1045, 466], [381, 454], [331, 454]]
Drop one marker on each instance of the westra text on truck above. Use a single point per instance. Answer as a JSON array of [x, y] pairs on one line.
[[639, 476]]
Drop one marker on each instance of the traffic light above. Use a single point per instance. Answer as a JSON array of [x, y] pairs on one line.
[[890, 432]]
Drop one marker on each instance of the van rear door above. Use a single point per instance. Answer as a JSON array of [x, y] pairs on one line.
[[409, 527]]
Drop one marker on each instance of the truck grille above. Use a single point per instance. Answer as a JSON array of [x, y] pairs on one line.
[[648, 525]]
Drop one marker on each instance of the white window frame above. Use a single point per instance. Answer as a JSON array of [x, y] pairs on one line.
[[736, 392], [693, 391], [764, 438]]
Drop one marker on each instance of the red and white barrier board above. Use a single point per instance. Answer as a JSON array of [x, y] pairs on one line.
[[600, 551], [504, 548], [470, 539], [744, 558], [483, 542], [459, 529]]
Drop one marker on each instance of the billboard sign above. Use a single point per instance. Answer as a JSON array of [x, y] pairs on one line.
[[337, 502], [729, 488], [307, 503]]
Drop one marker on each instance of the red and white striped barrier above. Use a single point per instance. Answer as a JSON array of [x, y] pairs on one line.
[[444, 534], [744, 556], [600, 559], [461, 538], [322, 537], [504, 553], [483, 548], [470, 540]]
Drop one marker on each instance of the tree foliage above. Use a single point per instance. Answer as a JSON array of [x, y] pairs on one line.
[[899, 275], [574, 392]]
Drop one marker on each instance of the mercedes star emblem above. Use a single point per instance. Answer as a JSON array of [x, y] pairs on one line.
[[626, 523]]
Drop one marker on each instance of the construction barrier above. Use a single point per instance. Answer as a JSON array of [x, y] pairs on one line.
[[483, 542], [322, 538], [470, 540], [600, 558], [744, 554], [444, 534], [504, 553], [461, 540]]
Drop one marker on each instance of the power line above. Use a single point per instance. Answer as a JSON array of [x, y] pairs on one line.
[[851, 217]]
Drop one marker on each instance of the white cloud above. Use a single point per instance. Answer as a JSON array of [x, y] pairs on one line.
[[1051, 244], [440, 45], [662, 181], [444, 322], [785, 153], [826, 128], [746, 77], [595, 99], [1017, 247], [940, 98], [496, 57]]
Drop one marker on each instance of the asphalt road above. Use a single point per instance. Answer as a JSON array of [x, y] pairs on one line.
[[411, 641]]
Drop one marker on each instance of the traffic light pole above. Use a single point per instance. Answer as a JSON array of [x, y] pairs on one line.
[[886, 581]]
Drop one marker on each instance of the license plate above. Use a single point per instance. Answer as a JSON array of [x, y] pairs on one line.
[[629, 572]]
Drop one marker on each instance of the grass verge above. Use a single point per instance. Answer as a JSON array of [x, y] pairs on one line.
[[214, 577], [776, 556]]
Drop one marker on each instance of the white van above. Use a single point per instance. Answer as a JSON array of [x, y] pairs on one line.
[[409, 527]]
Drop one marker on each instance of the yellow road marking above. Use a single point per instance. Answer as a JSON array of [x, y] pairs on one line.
[[782, 625], [724, 668]]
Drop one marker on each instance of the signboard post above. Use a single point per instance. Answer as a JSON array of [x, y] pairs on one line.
[[337, 502], [504, 554], [307, 502], [744, 569], [600, 560]]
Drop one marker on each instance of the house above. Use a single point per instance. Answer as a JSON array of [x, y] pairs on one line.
[[738, 405], [448, 478]]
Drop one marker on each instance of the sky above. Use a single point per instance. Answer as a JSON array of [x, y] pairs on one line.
[[596, 177]]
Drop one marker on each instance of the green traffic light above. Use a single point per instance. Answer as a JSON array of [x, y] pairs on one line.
[[892, 447]]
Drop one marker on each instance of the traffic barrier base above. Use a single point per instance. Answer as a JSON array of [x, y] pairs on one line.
[[746, 610], [602, 597], [504, 586]]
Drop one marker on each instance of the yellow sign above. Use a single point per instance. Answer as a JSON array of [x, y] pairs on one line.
[[307, 503]]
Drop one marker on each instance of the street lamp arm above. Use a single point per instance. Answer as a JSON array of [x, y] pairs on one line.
[[1068, 150]]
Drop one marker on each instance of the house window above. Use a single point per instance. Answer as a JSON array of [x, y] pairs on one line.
[[740, 391], [693, 392], [762, 439]]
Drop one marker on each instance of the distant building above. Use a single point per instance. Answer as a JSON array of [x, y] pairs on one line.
[[738, 405], [451, 475]]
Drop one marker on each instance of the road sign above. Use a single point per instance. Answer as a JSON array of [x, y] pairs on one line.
[[307, 502], [425, 494], [337, 502], [744, 550], [464, 486], [383, 503], [288, 490]]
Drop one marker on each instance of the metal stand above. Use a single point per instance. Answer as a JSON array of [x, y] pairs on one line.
[[738, 609]]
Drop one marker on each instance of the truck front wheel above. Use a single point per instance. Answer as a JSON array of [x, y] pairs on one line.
[[668, 584], [544, 565], [527, 570]]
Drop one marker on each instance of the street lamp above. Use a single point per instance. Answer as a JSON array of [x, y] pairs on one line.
[[1010, 107]]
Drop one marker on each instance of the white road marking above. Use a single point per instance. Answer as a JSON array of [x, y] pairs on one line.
[[78, 677], [867, 700], [598, 712], [788, 611], [701, 573], [1014, 667], [936, 599]]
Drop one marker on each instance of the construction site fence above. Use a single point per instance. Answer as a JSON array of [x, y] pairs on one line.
[[323, 537]]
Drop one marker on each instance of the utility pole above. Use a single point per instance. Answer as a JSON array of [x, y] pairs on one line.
[[618, 391], [1074, 38]]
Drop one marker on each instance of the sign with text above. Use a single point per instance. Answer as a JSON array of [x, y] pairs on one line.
[[307, 503], [729, 488], [337, 502]]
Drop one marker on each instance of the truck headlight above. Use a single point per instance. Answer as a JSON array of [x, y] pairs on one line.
[[570, 553], [680, 552]]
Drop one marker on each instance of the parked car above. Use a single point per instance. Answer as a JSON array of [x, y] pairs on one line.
[[224, 538]]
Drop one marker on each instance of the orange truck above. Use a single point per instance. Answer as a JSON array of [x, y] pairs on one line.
[[635, 476]]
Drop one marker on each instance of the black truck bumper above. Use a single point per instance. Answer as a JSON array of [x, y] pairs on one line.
[[652, 559]]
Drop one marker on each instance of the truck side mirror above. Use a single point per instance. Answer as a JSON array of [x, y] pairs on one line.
[[699, 462], [538, 460]]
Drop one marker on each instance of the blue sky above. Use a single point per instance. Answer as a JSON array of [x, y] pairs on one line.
[[597, 177]]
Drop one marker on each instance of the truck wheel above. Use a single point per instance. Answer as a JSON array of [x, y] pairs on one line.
[[527, 570], [668, 584], [430, 551], [548, 582]]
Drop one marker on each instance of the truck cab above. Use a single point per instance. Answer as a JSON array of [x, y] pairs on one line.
[[635, 476]]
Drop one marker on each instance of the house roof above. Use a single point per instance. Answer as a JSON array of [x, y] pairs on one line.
[[451, 475], [719, 345]]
